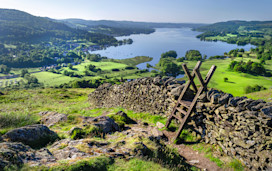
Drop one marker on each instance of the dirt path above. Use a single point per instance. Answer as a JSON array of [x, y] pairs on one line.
[[193, 157]]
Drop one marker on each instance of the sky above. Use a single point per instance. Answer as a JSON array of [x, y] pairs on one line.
[[190, 11]]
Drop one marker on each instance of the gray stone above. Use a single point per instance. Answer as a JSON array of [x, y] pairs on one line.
[[105, 124], [51, 118], [267, 111], [16, 153], [177, 91], [160, 125], [156, 133], [225, 98], [33, 135]]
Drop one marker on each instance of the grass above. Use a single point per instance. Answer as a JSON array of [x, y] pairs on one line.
[[135, 165], [134, 61], [222, 161], [21, 107], [265, 95], [52, 79], [236, 81]]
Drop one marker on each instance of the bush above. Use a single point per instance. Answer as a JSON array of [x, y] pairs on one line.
[[115, 69], [250, 89]]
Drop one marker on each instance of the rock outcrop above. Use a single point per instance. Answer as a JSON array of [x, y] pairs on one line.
[[16, 153], [51, 118], [35, 136]]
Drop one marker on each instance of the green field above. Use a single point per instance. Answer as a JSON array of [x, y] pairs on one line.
[[236, 81], [51, 79]]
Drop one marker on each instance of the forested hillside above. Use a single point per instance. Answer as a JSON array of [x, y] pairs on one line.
[[238, 32]]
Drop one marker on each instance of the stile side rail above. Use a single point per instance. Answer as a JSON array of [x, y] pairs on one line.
[[189, 105]]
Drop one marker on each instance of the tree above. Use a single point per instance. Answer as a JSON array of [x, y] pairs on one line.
[[169, 68], [168, 54], [70, 66], [193, 55], [23, 72], [4, 69], [148, 65]]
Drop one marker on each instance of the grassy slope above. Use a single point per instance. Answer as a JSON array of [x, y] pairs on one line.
[[237, 81], [19, 108]]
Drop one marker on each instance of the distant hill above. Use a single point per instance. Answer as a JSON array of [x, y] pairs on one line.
[[238, 32], [120, 28], [234, 26], [128, 24], [17, 26]]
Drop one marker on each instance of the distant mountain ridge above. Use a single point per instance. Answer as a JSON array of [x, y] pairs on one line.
[[20, 26], [232, 26], [121, 24]]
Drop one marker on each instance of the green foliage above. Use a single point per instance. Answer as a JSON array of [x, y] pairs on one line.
[[133, 61], [193, 55], [91, 164], [236, 165], [4, 69], [136, 165], [250, 89], [238, 32], [226, 79], [23, 72], [90, 130], [248, 67], [169, 67], [169, 54]]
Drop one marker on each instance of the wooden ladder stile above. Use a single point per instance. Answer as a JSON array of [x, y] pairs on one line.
[[185, 103]]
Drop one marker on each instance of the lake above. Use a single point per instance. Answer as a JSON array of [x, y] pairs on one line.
[[165, 39]]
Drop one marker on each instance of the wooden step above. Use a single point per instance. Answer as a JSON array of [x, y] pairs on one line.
[[185, 103], [182, 111], [178, 118]]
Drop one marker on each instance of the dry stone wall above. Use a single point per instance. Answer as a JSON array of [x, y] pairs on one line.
[[152, 95], [242, 127]]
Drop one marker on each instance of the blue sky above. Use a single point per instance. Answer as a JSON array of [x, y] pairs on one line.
[[196, 11]]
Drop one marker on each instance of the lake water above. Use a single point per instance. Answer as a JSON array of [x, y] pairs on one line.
[[165, 39]]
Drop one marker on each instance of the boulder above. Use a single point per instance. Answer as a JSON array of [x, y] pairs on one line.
[[176, 91], [104, 123], [16, 153], [35, 136], [160, 125], [125, 117], [51, 118], [267, 111]]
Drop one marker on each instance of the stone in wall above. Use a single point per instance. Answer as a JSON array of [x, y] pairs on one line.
[[153, 95]]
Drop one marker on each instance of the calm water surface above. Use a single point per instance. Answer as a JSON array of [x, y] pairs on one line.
[[165, 39]]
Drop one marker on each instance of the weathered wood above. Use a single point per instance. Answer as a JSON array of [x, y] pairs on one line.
[[190, 105]]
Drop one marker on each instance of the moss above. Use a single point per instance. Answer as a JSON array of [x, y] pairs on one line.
[[95, 164], [90, 130]]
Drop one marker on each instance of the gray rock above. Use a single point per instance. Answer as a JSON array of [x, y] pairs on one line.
[[225, 98], [14, 153], [157, 133], [267, 111], [215, 98], [176, 91], [105, 124], [160, 125], [69, 153], [51, 118], [35, 136]]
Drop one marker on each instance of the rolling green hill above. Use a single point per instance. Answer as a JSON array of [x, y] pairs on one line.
[[20, 26]]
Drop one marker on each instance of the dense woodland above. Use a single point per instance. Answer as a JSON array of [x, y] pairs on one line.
[[239, 32]]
